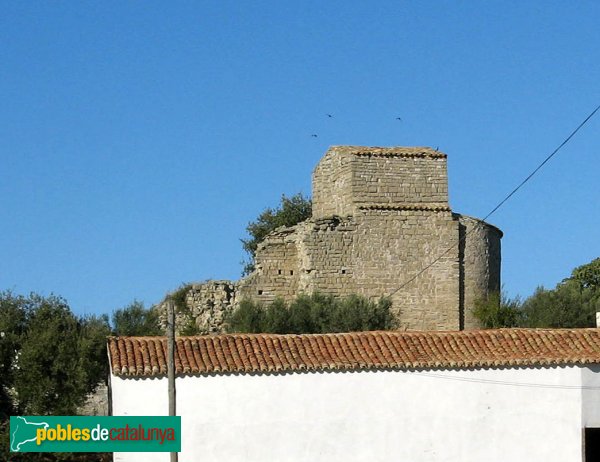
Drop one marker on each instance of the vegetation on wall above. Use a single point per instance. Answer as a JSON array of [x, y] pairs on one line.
[[291, 211], [183, 311], [316, 313]]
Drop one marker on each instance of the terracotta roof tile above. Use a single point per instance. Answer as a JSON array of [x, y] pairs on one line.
[[146, 356]]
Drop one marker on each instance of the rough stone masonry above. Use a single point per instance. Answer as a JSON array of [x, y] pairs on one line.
[[380, 216]]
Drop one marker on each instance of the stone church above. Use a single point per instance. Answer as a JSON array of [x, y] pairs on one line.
[[381, 226]]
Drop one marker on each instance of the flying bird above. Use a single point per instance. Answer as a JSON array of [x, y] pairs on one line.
[[313, 135], [329, 115], [399, 118]]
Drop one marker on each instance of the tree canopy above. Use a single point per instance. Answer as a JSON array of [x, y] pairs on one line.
[[291, 211], [588, 275], [135, 319], [50, 359], [572, 303]]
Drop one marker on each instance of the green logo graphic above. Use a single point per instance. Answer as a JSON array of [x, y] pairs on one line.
[[23, 431], [95, 434]]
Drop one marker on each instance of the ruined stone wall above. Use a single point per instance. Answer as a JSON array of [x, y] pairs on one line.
[[372, 254], [326, 250], [208, 304], [277, 270]]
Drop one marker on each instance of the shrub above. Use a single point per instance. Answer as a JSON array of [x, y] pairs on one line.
[[498, 310], [309, 314]]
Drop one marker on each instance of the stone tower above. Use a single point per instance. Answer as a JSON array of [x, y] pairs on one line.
[[380, 216], [381, 226]]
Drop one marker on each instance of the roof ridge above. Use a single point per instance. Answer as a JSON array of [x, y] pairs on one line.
[[264, 353], [369, 332]]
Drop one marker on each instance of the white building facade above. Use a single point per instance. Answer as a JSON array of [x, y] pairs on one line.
[[506, 395]]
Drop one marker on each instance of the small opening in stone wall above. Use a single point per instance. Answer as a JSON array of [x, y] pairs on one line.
[[260, 292], [291, 272], [343, 271], [279, 271]]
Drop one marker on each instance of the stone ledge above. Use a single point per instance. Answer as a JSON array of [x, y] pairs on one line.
[[406, 155], [411, 207], [398, 151]]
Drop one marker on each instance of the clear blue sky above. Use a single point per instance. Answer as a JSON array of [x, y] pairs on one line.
[[137, 139]]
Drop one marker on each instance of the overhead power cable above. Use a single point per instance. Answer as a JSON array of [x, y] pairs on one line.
[[503, 201], [509, 383]]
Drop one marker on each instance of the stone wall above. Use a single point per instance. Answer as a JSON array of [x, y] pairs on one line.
[[381, 226], [208, 304], [96, 403], [276, 271], [393, 246], [480, 258]]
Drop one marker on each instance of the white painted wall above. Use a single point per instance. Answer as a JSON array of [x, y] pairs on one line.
[[591, 396], [499, 415], [139, 397]]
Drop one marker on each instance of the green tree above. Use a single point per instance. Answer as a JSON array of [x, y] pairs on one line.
[[50, 377], [357, 313], [572, 303], [94, 331], [14, 312], [50, 359], [275, 318], [568, 305], [588, 276], [248, 317], [291, 211], [134, 319], [498, 310], [316, 313]]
